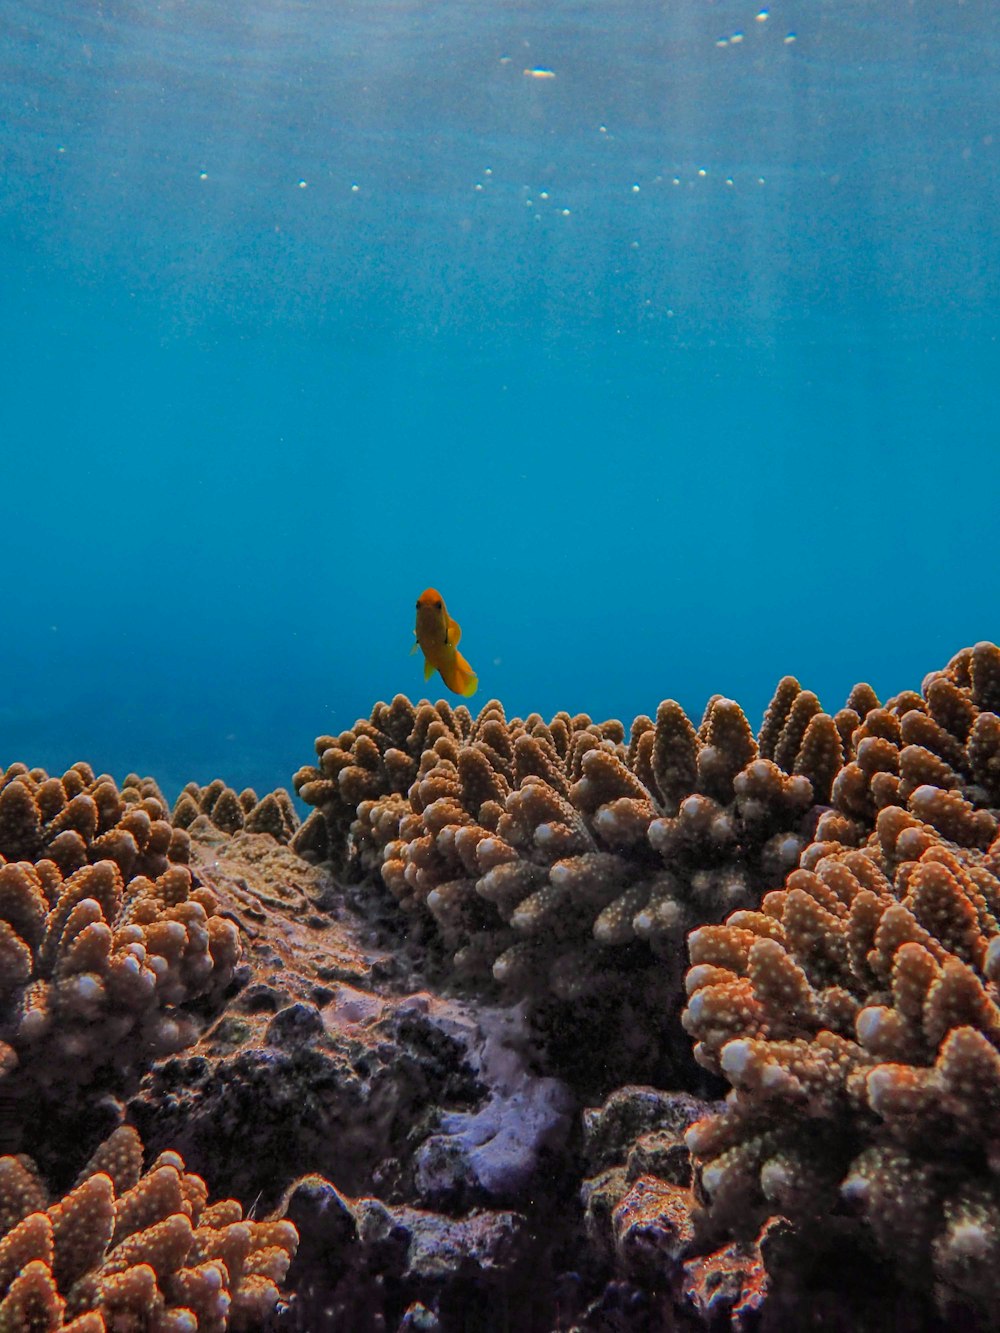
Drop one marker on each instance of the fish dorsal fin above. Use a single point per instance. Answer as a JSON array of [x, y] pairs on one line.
[[454, 632]]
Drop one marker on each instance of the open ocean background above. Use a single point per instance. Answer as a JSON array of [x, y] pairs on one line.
[[674, 372]]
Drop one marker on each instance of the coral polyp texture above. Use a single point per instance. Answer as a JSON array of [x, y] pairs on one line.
[[231, 811], [378, 758], [537, 847], [103, 940], [128, 1250], [936, 754], [81, 817], [856, 1012]]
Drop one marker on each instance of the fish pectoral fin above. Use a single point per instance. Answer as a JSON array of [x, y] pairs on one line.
[[414, 649], [454, 632], [428, 668]]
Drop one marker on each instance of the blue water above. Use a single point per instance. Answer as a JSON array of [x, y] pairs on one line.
[[674, 372]]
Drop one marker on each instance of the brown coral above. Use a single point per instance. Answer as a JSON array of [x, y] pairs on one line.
[[936, 753], [856, 1012], [127, 1250], [82, 817], [536, 847], [97, 960], [379, 756], [230, 811], [856, 1016]]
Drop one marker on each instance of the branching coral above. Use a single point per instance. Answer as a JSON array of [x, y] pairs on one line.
[[538, 846], [856, 1017], [936, 754], [230, 811], [377, 758], [127, 1250], [97, 959], [81, 818]]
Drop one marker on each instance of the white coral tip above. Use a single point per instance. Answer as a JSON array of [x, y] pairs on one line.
[[736, 1057]]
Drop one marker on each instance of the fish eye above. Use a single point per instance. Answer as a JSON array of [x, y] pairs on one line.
[[439, 604]]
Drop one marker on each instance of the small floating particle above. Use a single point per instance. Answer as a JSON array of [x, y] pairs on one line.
[[736, 38], [729, 180], [303, 185], [789, 38], [355, 189], [635, 189], [539, 74], [602, 129], [565, 212], [203, 175], [478, 186], [488, 171], [702, 171], [723, 41], [762, 16], [544, 194], [760, 180], [676, 180]]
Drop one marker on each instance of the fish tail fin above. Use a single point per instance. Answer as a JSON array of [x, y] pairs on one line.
[[464, 680]]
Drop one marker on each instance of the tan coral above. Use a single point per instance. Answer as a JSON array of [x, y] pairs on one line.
[[137, 1251], [859, 1007], [534, 846], [82, 817], [935, 754], [99, 966], [377, 757], [229, 811]]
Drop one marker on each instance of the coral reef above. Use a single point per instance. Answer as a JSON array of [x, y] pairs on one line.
[[855, 1013], [230, 811], [936, 754], [640, 1224], [355, 1076], [376, 758], [538, 847], [329, 1048], [402, 1070], [126, 1249], [82, 817], [99, 961]]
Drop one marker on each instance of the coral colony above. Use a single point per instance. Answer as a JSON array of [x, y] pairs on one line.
[[831, 884]]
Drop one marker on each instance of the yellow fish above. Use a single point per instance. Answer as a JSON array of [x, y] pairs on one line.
[[437, 638]]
